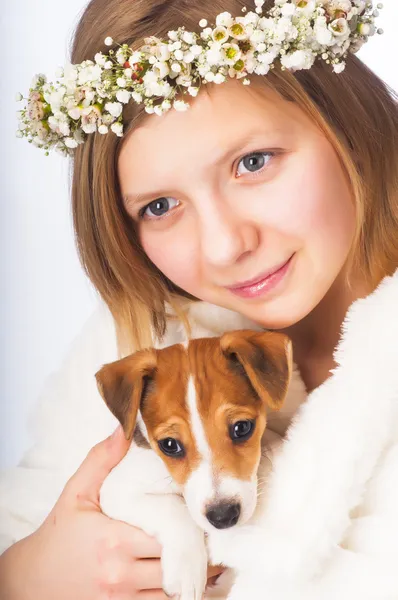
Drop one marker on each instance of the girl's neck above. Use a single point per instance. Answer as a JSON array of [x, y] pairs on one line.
[[316, 336]]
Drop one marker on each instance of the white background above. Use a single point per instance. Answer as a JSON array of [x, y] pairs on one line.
[[45, 297]]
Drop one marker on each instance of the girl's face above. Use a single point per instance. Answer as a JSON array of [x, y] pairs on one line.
[[234, 188]]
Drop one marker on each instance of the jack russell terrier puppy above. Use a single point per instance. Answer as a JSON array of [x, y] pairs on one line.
[[196, 413]]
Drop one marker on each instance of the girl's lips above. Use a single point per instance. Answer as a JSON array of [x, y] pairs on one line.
[[262, 285]]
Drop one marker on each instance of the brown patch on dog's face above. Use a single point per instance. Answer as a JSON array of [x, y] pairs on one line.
[[166, 414], [236, 377]]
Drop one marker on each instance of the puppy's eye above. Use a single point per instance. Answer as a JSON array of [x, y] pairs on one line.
[[241, 431], [172, 447]]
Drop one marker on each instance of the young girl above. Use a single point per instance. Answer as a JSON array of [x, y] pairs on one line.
[[277, 200]]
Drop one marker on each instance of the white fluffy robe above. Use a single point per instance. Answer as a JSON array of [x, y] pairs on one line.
[[329, 528]]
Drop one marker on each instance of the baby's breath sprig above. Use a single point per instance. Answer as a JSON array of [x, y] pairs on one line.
[[89, 97]]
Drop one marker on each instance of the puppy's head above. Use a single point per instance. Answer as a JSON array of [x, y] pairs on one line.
[[203, 408]]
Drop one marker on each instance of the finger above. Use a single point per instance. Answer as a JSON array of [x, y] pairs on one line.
[[214, 571], [136, 542], [99, 462], [147, 574]]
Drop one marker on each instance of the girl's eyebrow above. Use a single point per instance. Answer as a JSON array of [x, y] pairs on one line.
[[133, 198]]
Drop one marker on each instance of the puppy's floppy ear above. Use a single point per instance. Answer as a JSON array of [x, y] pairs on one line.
[[122, 385], [265, 358]]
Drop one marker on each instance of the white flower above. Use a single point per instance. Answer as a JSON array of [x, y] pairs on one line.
[[288, 9], [206, 33], [162, 53], [114, 108], [121, 82], [173, 35], [70, 142], [323, 35], [297, 60], [108, 41], [166, 105], [136, 57], [365, 29], [262, 69], [188, 37], [213, 56], [56, 98], [209, 76], [333, 5], [108, 64], [120, 56], [231, 53], [176, 68], [339, 67], [117, 128], [219, 78], [91, 73], [257, 36], [188, 57], [75, 113], [308, 9], [158, 109], [184, 80], [38, 79], [70, 74], [193, 91], [196, 50], [250, 18], [149, 109], [100, 59], [180, 106], [266, 58], [179, 54], [203, 23], [340, 28], [220, 34], [103, 129], [246, 82], [123, 96], [239, 30], [224, 19], [176, 46], [136, 97], [128, 73], [161, 70]]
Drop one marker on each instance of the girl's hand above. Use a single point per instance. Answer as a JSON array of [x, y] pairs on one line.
[[80, 553]]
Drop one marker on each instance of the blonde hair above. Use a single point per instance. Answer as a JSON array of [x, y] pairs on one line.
[[356, 111]]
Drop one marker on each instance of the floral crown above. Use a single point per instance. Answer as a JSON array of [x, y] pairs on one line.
[[89, 96]]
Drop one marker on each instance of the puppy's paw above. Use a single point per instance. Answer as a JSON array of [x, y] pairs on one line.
[[184, 566]]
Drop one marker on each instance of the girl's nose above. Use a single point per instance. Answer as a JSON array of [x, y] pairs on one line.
[[226, 237]]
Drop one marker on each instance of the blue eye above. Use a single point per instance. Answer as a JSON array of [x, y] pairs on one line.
[[254, 162], [158, 208]]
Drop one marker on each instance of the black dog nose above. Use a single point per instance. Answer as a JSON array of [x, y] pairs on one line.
[[223, 515]]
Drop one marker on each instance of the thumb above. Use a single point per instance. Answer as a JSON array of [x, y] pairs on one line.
[[103, 457]]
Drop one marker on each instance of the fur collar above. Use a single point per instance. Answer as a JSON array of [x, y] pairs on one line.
[[332, 447]]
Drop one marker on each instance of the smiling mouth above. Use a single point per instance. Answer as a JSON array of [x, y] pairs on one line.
[[248, 283], [263, 283]]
